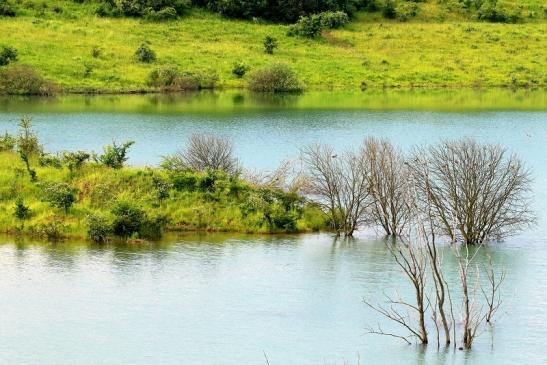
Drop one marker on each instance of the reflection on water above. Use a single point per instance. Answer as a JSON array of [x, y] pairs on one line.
[[223, 299]]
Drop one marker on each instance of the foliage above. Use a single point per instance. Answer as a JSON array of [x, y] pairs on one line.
[[22, 212], [23, 80], [59, 194], [75, 160], [240, 69], [7, 142], [115, 156], [491, 11], [28, 145], [128, 219], [157, 10], [98, 228], [7, 55], [276, 78], [6, 9], [169, 78], [312, 25], [405, 11], [48, 159], [145, 54], [53, 230], [270, 43]]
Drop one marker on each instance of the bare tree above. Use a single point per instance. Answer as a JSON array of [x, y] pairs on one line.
[[478, 192], [412, 259], [491, 293], [339, 184], [205, 152], [387, 180]]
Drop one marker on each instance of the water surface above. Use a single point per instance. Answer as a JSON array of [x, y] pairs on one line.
[[227, 299]]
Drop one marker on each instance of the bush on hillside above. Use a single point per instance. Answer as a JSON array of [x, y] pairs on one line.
[[6, 9], [405, 11], [170, 79], [7, 142], [115, 155], [240, 69], [270, 43], [23, 80], [275, 78], [491, 11], [156, 10], [7, 55], [311, 26], [98, 228], [145, 54], [59, 195]]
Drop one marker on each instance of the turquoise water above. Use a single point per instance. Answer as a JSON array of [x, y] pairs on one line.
[[228, 299]]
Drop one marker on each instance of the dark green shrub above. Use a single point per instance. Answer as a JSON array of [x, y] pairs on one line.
[[388, 9], [405, 11], [184, 181], [275, 78], [23, 80], [167, 13], [22, 212], [96, 51], [333, 19], [145, 54], [59, 194], [128, 219], [98, 228], [207, 79], [7, 55], [47, 159], [270, 44], [75, 160], [162, 188], [152, 228], [240, 69], [7, 142], [307, 26], [6, 9], [115, 156], [491, 11]]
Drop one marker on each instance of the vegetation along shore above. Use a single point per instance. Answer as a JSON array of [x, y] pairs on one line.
[[203, 187], [128, 46]]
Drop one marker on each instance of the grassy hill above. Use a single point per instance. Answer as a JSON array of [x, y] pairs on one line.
[[440, 47]]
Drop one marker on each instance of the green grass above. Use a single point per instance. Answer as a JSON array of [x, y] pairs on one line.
[[230, 205], [439, 48]]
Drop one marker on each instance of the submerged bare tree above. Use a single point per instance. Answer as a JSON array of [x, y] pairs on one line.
[[339, 184], [411, 258], [491, 293], [387, 181], [478, 191], [205, 152]]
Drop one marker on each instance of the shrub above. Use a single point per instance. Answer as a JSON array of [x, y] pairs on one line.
[[388, 9], [490, 11], [23, 80], [22, 212], [59, 194], [169, 79], [167, 13], [145, 54], [163, 77], [333, 19], [115, 156], [96, 51], [162, 188], [7, 142], [47, 159], [7, 55], [6, 9], [270, 44], [28, 145], [275, 78], [307, 26], [52, 230], [405, 11], [128, 219], [98, 228], [75, 160], [240, 69], [184, 181]]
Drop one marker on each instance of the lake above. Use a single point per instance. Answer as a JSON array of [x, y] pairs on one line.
[[231, 299]]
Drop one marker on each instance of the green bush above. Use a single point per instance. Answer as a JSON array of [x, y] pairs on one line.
[[7, 55], [145, 54], [52, 230], [75, 160], [21, 211], [405, 11], [151, 9], [23, 80], [47, 159], [333, 19], [162, 188], [491, 11], [169, 79], [128, 219], [275, 78], [6, 9], [307, 26], [240, 69], [98, 228], [115, 156], [270, 43], [167, 13], [59, 194], [184, 181], [7, 142], [163, 77], [388, 9]]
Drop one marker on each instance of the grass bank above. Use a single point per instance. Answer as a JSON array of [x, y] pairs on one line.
[[172, 201], [435, 49]]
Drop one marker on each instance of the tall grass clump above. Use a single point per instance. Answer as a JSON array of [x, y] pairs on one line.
[[24, 80]]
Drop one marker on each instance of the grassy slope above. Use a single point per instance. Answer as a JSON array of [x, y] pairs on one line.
[[439, 48], [99, 188]]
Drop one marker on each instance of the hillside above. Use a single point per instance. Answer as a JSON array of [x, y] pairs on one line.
[[439, 47]]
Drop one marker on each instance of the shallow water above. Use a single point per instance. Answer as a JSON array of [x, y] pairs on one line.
[[228, 299]]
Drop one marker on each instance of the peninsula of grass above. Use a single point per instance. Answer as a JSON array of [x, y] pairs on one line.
[[80, 194], [68, 44]]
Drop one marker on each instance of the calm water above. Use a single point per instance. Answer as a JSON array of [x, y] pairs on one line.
[[223, 299]]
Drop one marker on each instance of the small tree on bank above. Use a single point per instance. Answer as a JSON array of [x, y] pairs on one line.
[[28, 145]]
